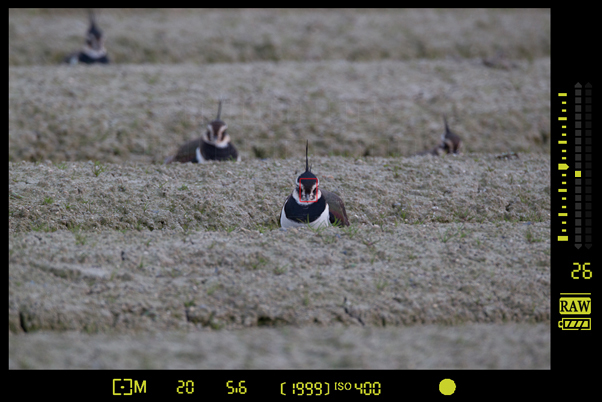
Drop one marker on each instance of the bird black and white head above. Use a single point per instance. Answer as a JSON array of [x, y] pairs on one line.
[[307, 183], [94, 38], [217, 134]]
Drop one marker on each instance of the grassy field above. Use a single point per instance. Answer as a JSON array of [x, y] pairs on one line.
[[108, 245]]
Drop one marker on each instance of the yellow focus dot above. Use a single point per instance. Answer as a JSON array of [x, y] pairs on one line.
[[447, 387]]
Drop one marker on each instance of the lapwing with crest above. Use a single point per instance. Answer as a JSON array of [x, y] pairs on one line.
[[450, 143], [94, 50], [213, 145], [310, 205]]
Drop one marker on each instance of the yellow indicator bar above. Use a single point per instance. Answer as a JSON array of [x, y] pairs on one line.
[[563, 110], [577, 173], [563, 166], [563, 238], [562, 118], [562, 190], [563, 214], [562, 94], [564, 102], [563, 230], [576, 294], [562, 142], [564, 222], [563, 126]]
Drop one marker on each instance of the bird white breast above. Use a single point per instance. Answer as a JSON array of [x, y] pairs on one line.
[[199, 157], [323, 220], [93, 53]]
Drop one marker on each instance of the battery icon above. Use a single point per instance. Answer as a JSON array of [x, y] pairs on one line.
[[574, 324]]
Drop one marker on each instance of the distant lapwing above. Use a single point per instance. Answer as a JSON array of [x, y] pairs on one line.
[[308, 204], [94, 50], [213, 145], [450, 143]]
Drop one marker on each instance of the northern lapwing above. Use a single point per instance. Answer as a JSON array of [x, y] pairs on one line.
[[213, 145], [94, 50], [450, 143], [309, 204]]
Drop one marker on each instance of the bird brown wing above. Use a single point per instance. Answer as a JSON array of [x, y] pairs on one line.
[[186, 153], [336, 207]]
